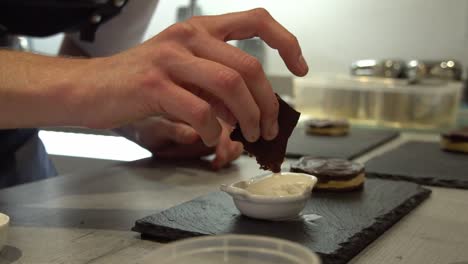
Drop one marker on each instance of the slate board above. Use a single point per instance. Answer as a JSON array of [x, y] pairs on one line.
[[356, 143], [422, 162], [350, 221]]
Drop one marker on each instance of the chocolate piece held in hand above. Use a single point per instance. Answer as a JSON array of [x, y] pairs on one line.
[[270, 154]]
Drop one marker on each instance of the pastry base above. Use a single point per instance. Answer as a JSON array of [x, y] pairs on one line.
[[340, 190], [328, 131], [449, 145], [354, 183]]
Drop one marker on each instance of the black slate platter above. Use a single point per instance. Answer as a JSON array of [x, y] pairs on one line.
[[350, 221], [357, 142], [422, 162]]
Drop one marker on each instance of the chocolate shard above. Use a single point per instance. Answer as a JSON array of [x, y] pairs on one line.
[[270, 154]]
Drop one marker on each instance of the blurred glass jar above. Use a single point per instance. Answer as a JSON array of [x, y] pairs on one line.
[[424, 70], [388, 68]]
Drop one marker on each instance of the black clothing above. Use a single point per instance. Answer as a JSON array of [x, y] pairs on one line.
[[22, 155], [23, 158], [47, 17]]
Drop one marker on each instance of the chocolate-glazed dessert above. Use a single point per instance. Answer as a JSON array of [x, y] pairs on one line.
[[456, 141], [332, 174], [327, 127], [270, 153]]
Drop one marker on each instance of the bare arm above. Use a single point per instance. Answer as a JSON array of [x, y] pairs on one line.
[[186, 72], [37, 90]]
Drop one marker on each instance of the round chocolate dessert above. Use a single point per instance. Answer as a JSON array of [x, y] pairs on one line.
[[327, 127], [332, 174], [456, 141]]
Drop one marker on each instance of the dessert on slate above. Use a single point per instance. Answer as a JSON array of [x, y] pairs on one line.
[[270, 154], [455, 141], [327, 127], [332, 174]]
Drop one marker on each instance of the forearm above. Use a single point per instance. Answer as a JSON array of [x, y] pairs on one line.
[[37, 90]]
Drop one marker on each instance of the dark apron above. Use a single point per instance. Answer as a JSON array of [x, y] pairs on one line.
[[47, 17], [23, 158]]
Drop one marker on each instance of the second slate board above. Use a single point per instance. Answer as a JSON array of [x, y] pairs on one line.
[[357, 142], [350, 221], [423, 163]]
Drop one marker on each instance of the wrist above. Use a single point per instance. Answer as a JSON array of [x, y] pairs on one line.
[[63, 94]]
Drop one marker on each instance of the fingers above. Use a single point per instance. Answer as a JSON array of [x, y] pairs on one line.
[[157, 133], [257, 22], [180, 133], [195, 150], [220, 108], [253, 75], [226, 84], [186, 143], [193, 110], [230, 83], [226, 150], [224, 156]]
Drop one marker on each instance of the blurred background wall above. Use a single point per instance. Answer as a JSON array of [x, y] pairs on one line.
[[333, 33]]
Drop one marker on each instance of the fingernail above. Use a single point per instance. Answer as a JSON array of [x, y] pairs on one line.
[[274, 131], [270, 131], [303, 64], [212, 143], [254, 135], [186, 136]]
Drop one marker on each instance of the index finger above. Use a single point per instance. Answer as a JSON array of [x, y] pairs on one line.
[[258, 22]]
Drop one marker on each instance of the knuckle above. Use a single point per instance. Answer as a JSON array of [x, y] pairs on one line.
[[152, 79], [177, 132], [261, 17], [202, 114], [195, 20], [261, 13], [149, 96], [228, 79], [183, 30], [251, 66], [292, 40], [168, 51]]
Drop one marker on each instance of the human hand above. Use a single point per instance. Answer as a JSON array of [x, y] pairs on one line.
[[175, 140], [189, 73]]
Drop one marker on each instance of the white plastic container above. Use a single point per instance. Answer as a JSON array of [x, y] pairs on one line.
[[379, 101], [233, 249]]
